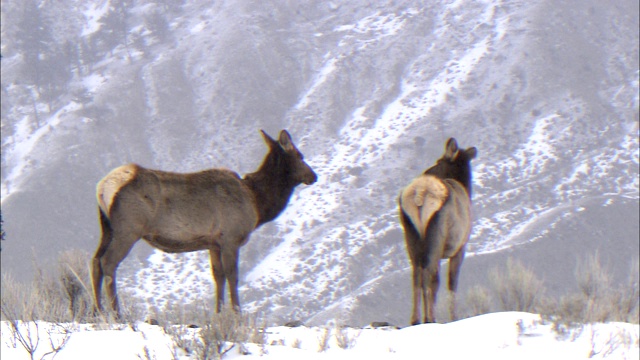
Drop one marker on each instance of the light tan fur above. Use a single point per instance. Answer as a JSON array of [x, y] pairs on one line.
[[109, 186], [421, 199]]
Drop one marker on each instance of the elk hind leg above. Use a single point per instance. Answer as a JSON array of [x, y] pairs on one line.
[[96, 268], [218, 276], [455, 263], [418, 288], [114, 254], [432, 282]]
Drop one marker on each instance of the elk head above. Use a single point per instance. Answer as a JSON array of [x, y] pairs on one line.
[[455, 164], [290, 159]]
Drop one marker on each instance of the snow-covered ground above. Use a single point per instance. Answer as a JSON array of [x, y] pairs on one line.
[[506, 335]]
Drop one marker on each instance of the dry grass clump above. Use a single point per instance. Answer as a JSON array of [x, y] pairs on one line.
[[599, 299], [478, 300], [200, 332], [517, 287], [73, 267]]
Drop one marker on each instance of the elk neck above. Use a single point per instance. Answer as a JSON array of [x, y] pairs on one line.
[[465, 179], [460, 173], [271, 186]]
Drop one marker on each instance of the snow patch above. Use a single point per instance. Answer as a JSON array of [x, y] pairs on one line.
[[538, 151], [93, 82], [198, 27], [25, 139], [328, 68], [93, 15]]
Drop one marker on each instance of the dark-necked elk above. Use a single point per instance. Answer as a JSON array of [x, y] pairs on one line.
[[213, 210], [435, 216]]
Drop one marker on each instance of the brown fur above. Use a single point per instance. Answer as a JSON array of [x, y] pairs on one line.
[[213, 210], [440, 228]]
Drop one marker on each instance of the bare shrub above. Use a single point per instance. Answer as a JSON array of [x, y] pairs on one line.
[[598, 300], [478, 300], [182, 338], [148, 354], [593, 280], [226, 330], [565, 315], [606, 345], [131, 310], [29, 335], [628, 296], [73, 266], [215, 336], [344, 339], [259, 334], [42, 299], [323, 340], [12, 296], [21, 307], [517, 287], [296, 344]]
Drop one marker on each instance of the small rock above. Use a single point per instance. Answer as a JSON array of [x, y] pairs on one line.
[[295, 323], [379, 324]]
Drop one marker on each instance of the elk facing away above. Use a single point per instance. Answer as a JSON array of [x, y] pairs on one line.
[[435, 216], [213, 210]]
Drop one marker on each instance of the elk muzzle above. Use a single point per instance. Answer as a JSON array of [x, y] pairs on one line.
[[308, 176]]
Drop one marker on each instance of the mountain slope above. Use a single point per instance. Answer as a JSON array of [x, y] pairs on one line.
[[547, 92]]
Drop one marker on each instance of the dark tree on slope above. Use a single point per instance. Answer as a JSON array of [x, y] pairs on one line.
[[87, 55], [44, 61], [2, 233], [31, 37], [157, 23], [173, 6], [114, 27], [72, 55]]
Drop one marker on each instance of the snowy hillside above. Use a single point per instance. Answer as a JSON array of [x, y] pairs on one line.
[[547, 92], [493, 336]]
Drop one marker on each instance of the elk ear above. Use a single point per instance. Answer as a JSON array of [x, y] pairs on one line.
[[268, 140], [471, 152], [451, 149], [285, 141]]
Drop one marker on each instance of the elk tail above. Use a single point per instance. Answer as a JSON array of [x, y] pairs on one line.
[[424, 196]]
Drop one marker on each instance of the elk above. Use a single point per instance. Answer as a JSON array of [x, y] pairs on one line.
[[435, 216], [213, 210]]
